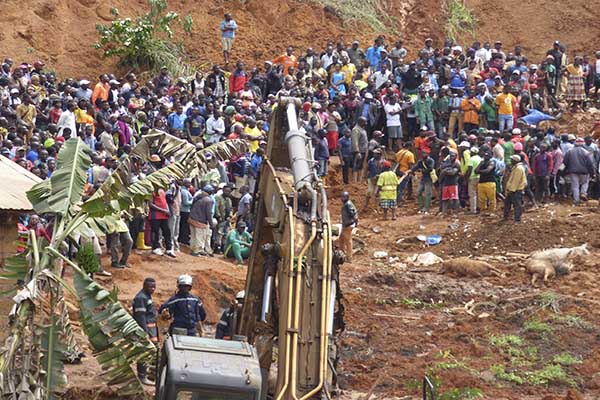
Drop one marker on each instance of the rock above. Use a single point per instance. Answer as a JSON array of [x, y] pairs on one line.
[[424, 259], [380, 254]]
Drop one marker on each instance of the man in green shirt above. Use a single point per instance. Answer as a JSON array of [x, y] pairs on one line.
[[238, 243], [423, 110]]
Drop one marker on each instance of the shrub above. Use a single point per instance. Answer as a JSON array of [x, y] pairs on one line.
[[146, 42]]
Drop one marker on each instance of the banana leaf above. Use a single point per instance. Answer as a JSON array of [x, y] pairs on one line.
[[67, 182], [116, 338]]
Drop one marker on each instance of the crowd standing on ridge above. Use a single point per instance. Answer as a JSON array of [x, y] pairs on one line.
[[458, 125]]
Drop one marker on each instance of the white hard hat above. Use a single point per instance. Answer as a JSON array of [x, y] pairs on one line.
[[240, 295], [184, 280]]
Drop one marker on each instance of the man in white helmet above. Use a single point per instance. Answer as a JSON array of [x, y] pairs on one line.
[[185, 309], [228, 322]]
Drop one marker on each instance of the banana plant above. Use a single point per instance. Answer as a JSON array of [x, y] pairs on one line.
[[41, 335]]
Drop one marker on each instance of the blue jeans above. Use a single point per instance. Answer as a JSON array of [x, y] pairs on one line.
[[505, 119]]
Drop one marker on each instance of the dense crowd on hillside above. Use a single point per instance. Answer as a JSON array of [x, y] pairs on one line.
[[460, 125]]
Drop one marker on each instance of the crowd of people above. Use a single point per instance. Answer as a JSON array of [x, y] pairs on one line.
[[464, 124]]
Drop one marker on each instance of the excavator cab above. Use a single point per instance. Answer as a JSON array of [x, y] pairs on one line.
[[195, 368]]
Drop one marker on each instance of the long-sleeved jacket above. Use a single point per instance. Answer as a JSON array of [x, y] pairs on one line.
[[578, 161], [360, 140], [144, 312], [186, 310], [542, 164], [517, 180], [201, 210]]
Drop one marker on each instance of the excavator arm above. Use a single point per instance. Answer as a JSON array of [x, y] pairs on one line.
[[292, 288]]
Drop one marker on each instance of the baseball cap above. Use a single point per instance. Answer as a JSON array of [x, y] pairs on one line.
[[386, 164], [84, 82], [515, 158], [464, 144]]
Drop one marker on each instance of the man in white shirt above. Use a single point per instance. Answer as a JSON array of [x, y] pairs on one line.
[[67, 120], [215, 128], [381, 77], [327, 58], [484, 54], [394, 127]]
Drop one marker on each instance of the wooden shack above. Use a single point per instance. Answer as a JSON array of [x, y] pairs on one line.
[[15, 181]]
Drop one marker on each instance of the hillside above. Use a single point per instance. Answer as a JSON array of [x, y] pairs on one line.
[[62, 33], [535, 25]]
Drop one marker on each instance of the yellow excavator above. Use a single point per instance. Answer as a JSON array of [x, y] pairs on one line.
[[292, 309]]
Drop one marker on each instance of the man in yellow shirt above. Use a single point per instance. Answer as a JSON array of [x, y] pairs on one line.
[[387, 185], [349, 71], [253, 135], [517, 181], [405, 159], [505, 102]]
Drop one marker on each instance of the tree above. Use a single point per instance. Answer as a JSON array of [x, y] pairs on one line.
[[146, 42], [41, 338]]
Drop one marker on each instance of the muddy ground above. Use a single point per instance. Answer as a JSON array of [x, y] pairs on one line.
[[495, 337]]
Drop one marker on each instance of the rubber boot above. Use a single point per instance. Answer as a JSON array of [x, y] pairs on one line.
[[139, 244]]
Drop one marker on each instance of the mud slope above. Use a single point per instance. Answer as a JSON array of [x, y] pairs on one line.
[[536, 24], [61, 33]]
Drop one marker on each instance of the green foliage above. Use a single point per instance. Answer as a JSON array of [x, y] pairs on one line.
[[566, 359], [500, 373], [506, 341], [117, 339], [463, 393], [552, 373], [460, 19], [373, 13], [538, 326], [59, 193], [146, 41], [573, 321], [87, 260]]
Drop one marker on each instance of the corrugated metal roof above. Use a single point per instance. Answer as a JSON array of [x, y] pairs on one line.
[[15, 181]]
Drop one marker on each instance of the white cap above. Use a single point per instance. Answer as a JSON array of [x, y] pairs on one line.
[[368, 96], [84, 82], [184, 280], [14, 90], [240, 295], [516, 131], [464, 144], [114, 82]]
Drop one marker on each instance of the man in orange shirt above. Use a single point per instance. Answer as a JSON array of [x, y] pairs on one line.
[[287, 60], [100, 91], [470, 107]]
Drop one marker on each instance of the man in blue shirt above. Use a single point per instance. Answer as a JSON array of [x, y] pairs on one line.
[[186, 309], [346, 154], [195, 124], [176, 120], [255, 163], [228, 28], [373, 55]]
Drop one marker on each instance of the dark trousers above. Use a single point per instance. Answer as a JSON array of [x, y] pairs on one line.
[[346, 167], [158, 226], [542, 188], [184, 228], [469, 127], [113, 241], [514, 199], [136, 226]]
